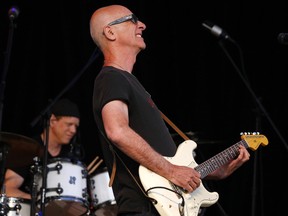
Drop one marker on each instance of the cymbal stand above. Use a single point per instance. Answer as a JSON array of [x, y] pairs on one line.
[[4, 152], [45, 168], [35, 171], [4, 207]]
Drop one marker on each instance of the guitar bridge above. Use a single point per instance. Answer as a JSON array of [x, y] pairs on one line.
[[179, 191]]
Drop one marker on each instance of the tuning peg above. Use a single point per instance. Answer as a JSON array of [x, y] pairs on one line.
[[249, 133]]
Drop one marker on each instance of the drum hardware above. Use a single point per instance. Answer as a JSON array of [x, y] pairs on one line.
[[4, 207], [84, 173], [57, 167], [58, 189], [14, 206], [85, 193], [36, 171]]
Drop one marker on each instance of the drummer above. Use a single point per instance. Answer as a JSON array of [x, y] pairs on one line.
[[64, 123]]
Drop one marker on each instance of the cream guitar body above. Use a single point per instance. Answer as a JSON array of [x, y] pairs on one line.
[[171, 200]]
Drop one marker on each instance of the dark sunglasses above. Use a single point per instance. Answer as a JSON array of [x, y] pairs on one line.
[[130, 17]]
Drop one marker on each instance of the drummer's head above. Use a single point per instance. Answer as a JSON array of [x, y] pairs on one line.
[[64, 120]]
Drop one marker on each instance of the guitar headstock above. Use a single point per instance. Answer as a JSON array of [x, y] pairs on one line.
[[254, 139]]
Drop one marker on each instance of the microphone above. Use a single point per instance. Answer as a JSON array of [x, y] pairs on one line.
[[217, 31], [13, 13], [283, 38], [76, 149]]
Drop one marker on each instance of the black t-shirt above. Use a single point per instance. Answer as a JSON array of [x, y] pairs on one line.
[[144, 118]]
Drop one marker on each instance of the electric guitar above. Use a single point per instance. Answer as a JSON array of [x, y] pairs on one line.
[[171, 200]]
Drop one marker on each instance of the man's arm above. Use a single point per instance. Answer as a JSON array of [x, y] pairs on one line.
[[116, 124], [12, 183]]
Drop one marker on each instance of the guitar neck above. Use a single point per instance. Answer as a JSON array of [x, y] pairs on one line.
[[220, 159]]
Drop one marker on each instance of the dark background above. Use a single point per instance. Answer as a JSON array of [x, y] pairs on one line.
[[185, 70]]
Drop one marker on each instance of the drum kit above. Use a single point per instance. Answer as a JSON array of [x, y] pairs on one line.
[[71, 189]]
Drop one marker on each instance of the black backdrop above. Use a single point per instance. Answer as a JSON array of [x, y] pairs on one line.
[[185, 70]]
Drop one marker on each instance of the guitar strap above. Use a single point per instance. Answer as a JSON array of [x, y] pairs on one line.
[[183, 135]]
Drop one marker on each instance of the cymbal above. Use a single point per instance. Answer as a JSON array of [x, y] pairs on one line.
[[19, 150]]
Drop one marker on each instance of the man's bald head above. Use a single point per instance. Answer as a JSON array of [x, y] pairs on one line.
[[100, 19]]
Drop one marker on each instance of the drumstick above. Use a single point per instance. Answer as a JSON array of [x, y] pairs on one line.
[[96, 166], [92, 163]]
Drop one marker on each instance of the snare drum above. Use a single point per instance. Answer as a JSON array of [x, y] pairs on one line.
[[17, 206], [66, 188], [102, 197]]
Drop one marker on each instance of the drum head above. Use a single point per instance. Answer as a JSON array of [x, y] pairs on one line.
[[109, 210], [66, 207]]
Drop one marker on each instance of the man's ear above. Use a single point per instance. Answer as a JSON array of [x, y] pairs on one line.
[[109, 33], [52, 119]]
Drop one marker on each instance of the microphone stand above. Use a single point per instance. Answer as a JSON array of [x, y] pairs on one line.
[[47, 112], [254, 96], [12, 26], [258, 119]]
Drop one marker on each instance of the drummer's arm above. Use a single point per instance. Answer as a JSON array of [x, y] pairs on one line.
[[12, 183]]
